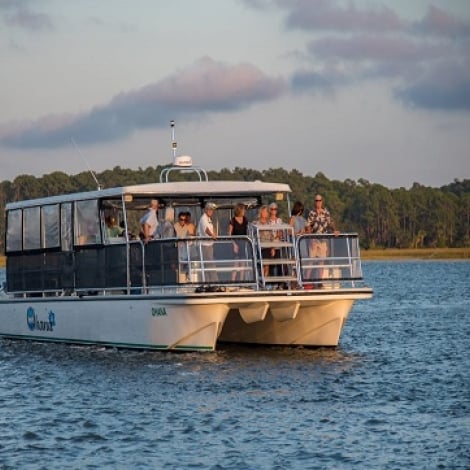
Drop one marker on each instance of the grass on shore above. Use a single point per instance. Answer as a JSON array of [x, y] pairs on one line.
[[415, 253], [397, 254]]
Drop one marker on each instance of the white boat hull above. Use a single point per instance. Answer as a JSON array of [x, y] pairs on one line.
[[314, 324], [193, 322], [131, 323]]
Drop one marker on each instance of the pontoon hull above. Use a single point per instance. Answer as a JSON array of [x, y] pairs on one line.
[[194, 322], [315, 324], [130, 323]]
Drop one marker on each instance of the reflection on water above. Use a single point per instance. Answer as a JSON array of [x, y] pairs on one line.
[[395, 394]]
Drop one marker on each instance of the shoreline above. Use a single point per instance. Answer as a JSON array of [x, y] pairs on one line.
[[395, 254], [399, 254]]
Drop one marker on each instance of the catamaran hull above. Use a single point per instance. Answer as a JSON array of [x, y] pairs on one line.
[[130, 323], [314, 324], [181, 323]]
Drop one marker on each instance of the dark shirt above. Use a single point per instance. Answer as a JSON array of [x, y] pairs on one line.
[[239, 228]]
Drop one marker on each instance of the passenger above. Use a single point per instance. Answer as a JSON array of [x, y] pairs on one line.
[[189, 224], [300, 225], [167, 250], [238, 225], [181, 227], [265, 236], [205, 228], [166, 228], [320, 221], [111, 227], [274, 220], [183, 230], [149, 222]]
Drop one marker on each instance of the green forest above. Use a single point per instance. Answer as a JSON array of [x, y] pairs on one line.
[[418, 217]]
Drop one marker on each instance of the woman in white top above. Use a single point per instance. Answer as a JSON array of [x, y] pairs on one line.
[[205, 228]]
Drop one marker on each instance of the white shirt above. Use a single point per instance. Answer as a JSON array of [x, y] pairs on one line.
[[150, 218], [205, 225]]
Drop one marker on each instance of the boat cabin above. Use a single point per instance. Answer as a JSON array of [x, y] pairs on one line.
[[63, 244], [90, 243]]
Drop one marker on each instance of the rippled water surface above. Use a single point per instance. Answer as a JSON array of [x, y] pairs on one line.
[[395, 394]]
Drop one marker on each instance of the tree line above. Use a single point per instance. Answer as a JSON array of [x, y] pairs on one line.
[[420, 216]]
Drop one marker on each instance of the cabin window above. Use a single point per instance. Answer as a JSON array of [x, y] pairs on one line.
[[66, 226], [31, 228], [50, 225], [87, 223], [14, 230]]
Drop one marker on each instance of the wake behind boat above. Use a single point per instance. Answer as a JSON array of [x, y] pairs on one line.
[[72, 279]]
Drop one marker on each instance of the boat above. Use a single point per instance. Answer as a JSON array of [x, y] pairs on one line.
[[68, 280]]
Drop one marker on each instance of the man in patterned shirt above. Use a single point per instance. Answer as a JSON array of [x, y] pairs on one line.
[[320, 221]]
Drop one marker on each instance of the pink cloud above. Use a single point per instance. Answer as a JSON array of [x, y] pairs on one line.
[[205, 86], [213, 84]]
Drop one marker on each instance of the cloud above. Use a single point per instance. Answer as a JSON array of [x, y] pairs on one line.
[[205, 86], [325, 80], [374, 47], [437, 22], [318, 15], [332, 15], [257, 4], [17, 13], [446, 86], [351, 42]]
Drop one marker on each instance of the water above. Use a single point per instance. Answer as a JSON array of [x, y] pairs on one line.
[[395, 394]]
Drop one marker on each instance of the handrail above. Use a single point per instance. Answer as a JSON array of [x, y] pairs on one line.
[[200, 260], [133, 267], [201, 172], [337, 262]]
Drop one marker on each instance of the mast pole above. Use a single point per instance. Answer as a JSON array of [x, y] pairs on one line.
[[174, 145]]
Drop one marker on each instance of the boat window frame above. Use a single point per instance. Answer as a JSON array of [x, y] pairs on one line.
[[14, 231], [32, 228], [66, 226], [87, 223], [50, 227]]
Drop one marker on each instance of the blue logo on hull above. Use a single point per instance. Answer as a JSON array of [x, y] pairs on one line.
[[35, 324]]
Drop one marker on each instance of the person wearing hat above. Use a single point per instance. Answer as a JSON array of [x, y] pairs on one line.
[[205, 228]]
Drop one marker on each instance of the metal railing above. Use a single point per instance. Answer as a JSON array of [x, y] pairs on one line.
[[328, 259], [179, 264]]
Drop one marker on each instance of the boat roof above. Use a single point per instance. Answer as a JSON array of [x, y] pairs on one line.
[[177, 189]]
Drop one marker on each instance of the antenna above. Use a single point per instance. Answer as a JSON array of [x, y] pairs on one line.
[[86, 164], [181, 163], [174, 145]]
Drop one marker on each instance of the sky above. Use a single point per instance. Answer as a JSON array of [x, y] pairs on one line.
[[356, 89]]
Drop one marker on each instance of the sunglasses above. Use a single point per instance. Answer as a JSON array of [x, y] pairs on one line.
[[318, 200]]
